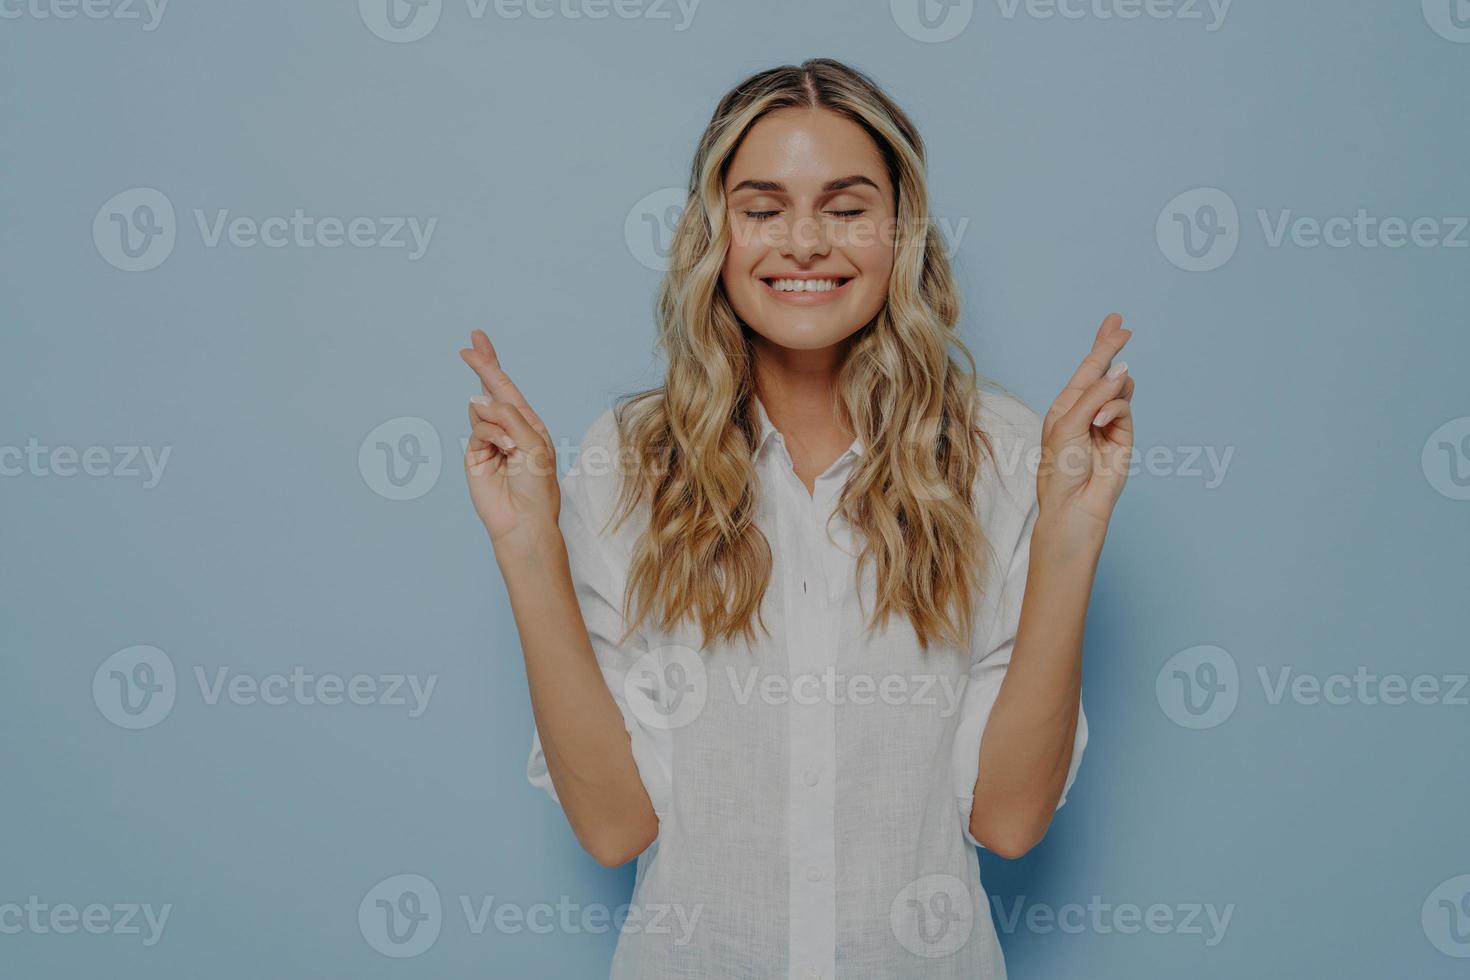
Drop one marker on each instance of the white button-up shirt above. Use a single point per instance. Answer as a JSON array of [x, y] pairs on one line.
[[813, 790]]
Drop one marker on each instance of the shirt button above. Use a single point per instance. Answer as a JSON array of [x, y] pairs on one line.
[[813, 973], [814, 873], [813, 777]]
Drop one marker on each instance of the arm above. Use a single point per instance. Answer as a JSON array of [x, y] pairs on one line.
[[588, 751], [510, 464], [1026, 751]]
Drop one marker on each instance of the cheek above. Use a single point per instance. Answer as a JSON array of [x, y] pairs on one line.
[[739, 260], [876, 264]]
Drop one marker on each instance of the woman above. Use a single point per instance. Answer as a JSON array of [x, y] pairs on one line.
[[790, 589]]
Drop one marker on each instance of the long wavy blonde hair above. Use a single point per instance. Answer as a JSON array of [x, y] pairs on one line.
[[691, 441]]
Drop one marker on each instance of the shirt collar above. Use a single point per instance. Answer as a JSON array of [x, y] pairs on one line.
[[769, 432]]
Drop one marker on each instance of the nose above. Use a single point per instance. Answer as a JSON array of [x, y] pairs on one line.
[[806, 239]]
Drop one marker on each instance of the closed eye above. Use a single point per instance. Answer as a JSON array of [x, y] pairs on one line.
[[843, 215]]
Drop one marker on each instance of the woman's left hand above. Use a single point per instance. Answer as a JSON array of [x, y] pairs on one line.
[[1087, 438]]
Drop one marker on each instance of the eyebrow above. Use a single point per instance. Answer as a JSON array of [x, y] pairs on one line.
[[841, 183]]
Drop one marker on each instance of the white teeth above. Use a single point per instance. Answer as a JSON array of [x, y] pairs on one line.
[[804, 285]]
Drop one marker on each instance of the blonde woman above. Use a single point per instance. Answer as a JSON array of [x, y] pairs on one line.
[[804, 623]]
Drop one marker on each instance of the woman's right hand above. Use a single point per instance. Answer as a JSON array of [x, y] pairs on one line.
[[510, 462]]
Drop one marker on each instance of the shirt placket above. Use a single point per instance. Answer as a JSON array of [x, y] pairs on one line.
[[813, 751]]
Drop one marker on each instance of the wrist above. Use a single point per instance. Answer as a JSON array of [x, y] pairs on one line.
[[531, 544], [1069, 536]]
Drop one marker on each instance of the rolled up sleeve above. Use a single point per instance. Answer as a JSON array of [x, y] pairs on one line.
[[988, 666], [599, 588]]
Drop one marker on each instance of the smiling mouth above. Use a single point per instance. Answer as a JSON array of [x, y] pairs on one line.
[[807, 285]]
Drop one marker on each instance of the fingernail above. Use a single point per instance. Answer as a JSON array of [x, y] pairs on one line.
[[482, 400], [1117, 370], [505, 442], [1102, 418]]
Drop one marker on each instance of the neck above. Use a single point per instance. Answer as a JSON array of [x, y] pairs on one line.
[[799, 391]]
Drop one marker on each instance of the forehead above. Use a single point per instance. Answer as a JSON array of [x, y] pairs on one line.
[[797, 146]]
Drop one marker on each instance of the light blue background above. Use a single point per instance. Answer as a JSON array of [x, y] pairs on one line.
[[1325, 548]]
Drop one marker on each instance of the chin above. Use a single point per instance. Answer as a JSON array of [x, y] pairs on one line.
[[797, 334]]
